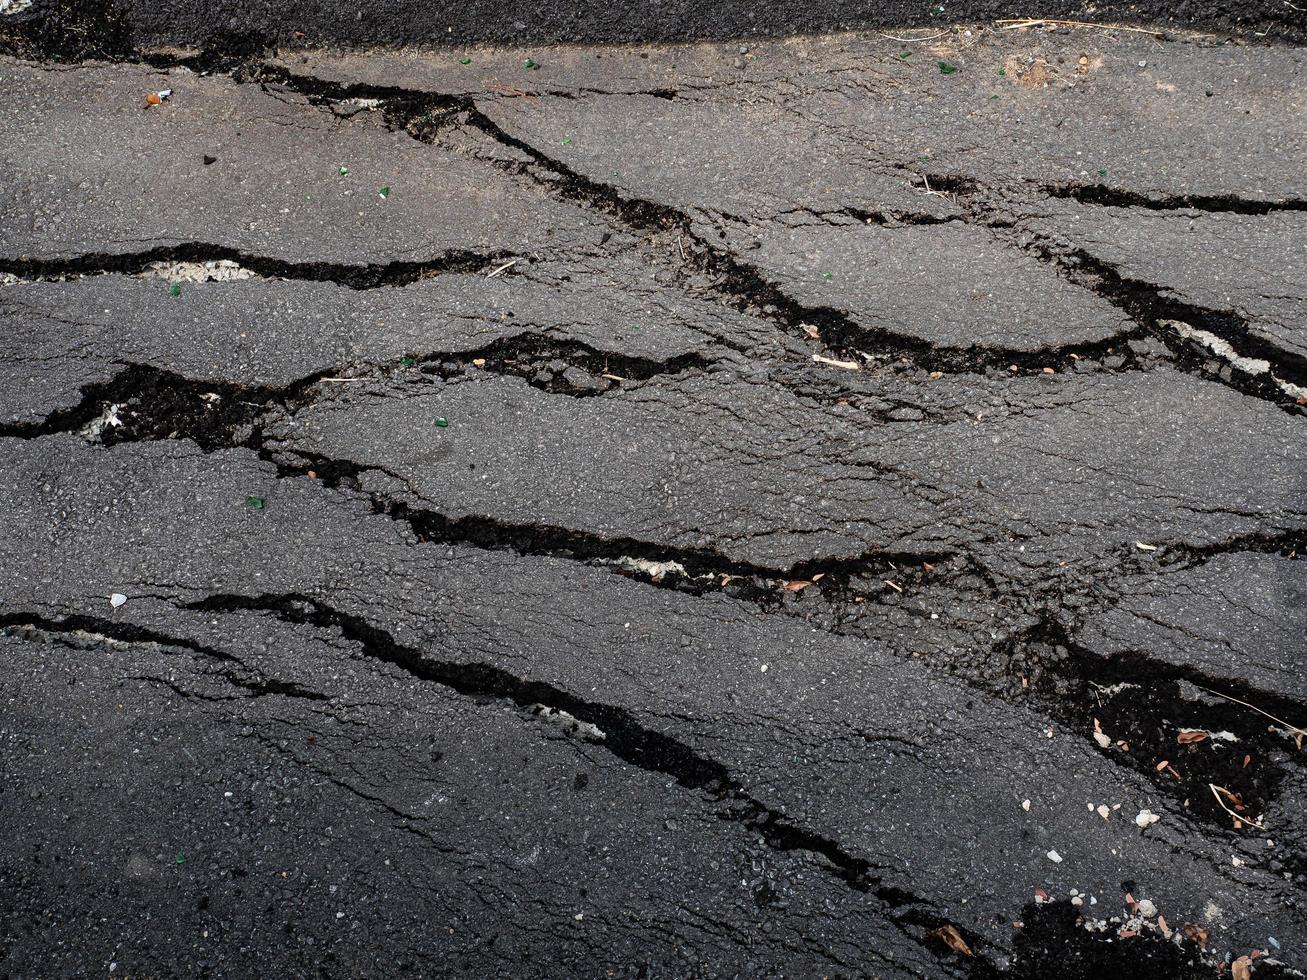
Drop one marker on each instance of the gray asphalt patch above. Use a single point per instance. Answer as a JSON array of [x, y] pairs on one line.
[[832, 508]]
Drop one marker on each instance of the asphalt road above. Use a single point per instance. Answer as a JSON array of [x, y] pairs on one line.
[[819, 507], [71, 28]]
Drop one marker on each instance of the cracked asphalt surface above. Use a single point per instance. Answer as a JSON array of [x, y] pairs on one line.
[[828, 506]]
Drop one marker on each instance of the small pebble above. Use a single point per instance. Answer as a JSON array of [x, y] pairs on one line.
[[1055, 857], [117, 599]]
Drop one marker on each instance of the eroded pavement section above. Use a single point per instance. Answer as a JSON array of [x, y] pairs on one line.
[[832, 507]]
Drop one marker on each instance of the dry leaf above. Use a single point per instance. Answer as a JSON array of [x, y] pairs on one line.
[[796, 585], [1099, 736], [1189, 736], [928, 567], [1197, 933], [953, 939], [809, 329], [1241, 969]]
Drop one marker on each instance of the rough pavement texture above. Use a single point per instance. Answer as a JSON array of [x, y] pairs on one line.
[[826, 509]]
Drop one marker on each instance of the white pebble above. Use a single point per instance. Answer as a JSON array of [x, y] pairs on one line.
[[1055, 857], [1103, 811], [1025, 805], [1146, 819], [1146, 908], [117, 599]]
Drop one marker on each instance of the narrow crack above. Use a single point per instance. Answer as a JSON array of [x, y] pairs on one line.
[[1148, 304], [624, 736], [741, 286], [694, 570], [561, 366], [1116, 197], [1290, 544], [152, 403], [363, 276], [90, 632]]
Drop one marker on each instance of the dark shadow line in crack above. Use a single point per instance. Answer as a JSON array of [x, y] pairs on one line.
[[624, 736], [355, 276], [1148, 304], [1117, 197], [741, 286], [540, 539], [82, 632], [172, 405]]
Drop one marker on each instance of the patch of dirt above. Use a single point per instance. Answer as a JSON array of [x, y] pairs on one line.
[[1053, 942], [1030, 72]]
